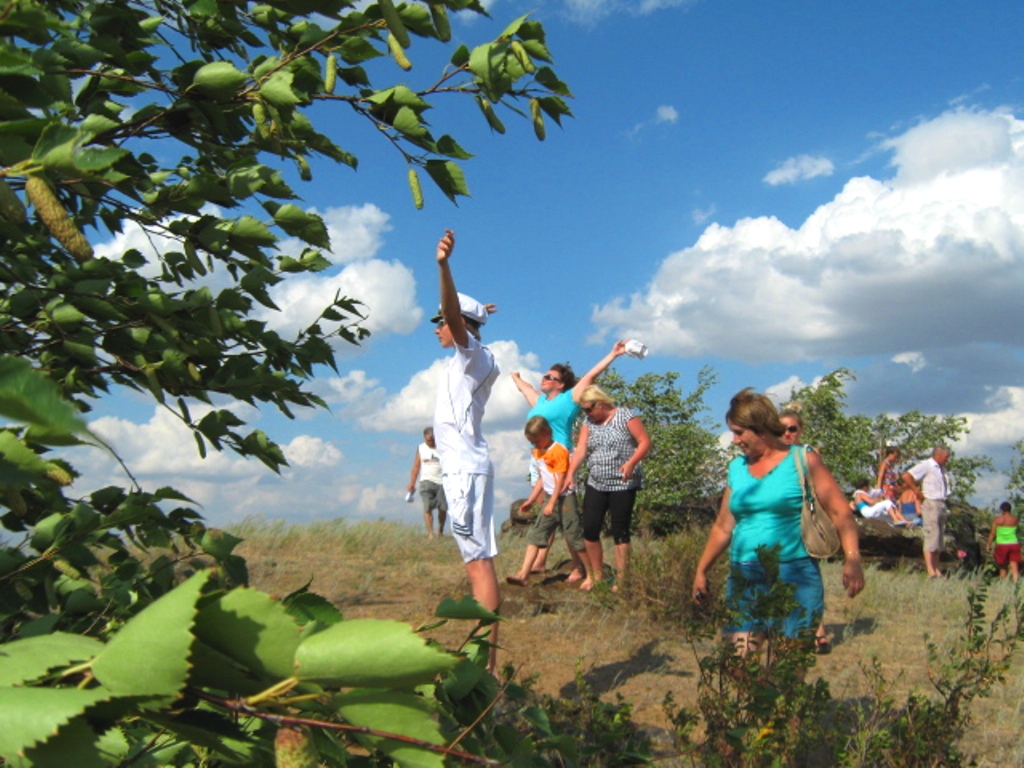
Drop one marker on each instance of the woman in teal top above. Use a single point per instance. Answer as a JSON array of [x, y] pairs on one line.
[[761, 510]]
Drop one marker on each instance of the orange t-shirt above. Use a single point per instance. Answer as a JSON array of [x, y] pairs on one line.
[[553, 460]]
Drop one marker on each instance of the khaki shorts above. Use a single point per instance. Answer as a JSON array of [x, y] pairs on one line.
[[933, 515], [566, 516]]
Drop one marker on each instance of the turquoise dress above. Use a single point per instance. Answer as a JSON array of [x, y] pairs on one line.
[[767, 513], [767, 510]]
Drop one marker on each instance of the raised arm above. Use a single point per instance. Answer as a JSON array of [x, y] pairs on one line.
[[602, 365], [834, 500], [525, 389], [450, 309]]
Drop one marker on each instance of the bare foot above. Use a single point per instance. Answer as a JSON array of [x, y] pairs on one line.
[[576, 575], [587, 585], [515, 581]]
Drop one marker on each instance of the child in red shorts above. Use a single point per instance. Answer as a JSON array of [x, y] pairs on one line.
[[1004, 536]]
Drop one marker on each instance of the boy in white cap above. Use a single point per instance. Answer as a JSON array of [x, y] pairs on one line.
[[466, 470]]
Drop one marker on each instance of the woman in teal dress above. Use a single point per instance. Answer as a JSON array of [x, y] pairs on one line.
[[760, 510]]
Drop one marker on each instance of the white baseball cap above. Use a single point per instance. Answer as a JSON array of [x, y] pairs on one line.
[[469, 308]]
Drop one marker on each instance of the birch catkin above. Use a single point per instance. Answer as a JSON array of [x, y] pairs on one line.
[[56, 218]]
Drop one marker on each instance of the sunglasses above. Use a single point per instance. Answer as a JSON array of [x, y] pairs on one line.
[[588, 408], [440, 324], [792, 428], [549, 377]]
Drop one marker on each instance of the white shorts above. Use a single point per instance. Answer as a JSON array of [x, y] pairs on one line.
[[471, 513]]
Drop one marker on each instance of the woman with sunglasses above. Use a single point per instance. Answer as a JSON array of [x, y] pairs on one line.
[[559, 396], [761, 509], [558, 402], [613, 442]]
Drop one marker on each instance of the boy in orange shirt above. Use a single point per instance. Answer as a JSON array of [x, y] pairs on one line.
[[559, 509]]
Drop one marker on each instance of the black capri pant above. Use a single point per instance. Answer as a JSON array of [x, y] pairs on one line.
[[619, 505]]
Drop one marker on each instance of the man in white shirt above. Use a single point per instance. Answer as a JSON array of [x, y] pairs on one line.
[[928, 480], [427, 466], [466, 470]]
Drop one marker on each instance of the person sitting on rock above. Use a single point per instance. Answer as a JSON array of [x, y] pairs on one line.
[[869, 502]]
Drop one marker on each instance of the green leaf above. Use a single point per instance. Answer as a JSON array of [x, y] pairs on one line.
[[308, 607], [219, 80], [29, 716], [404, 714], [149, 655], [29, 397], [307, 226], [278, 91], [19, 464], [74, 744], [370, 653], [408, 122], [25, 660], [449, 178], [254, 629], [466, 608], [218, 543]]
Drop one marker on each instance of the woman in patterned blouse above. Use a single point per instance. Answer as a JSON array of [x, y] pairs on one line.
[[612, 441]]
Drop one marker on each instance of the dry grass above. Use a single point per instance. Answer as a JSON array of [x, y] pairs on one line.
[[389, 570]]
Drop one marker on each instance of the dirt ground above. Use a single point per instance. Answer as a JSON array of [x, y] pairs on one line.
[[550, 629]]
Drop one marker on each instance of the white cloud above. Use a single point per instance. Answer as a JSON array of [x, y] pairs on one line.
[[956, 142], [913, 360], [800, 168], [932, 259], [782, 392], [592, 11], [356, 232], [701, 215], [164, 447], [664, 114], [309, 451], [386, 290], [1001, 427]]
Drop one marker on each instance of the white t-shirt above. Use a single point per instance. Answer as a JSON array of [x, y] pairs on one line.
[[459, 410], [932, 478], [430, 464]]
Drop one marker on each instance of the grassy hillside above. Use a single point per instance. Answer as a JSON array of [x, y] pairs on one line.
[[635, 644]]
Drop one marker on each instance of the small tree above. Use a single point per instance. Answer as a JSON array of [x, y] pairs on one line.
[[685, 464], [1015, 486], [853, 444], [184, 121]]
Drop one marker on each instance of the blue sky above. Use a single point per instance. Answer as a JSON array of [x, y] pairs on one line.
[[771, 189]]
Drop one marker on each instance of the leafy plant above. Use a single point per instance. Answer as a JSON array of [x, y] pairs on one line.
[[604, 733], [761, 709], [756, 705], [180, 125], [213, 676]]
